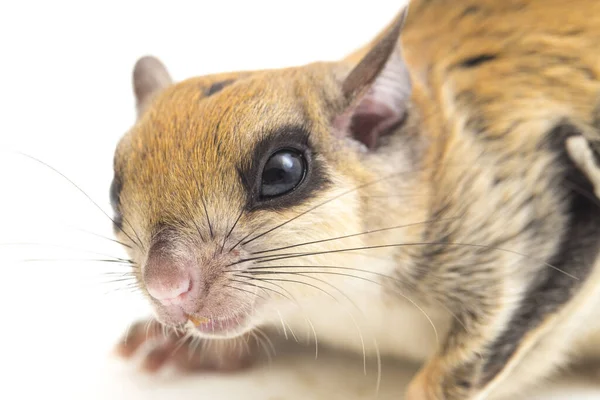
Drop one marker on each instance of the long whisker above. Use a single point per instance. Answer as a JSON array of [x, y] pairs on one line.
[[267, 257], [126, 288], [193, 347], [378, 354], [212, 235], [388, 277], [90, 199], [359, 187], [330, 295], [242, 239], [285, 334], [314, 332], [63, 247], [245, 345], [264, 347], [268, 340], [296, 255], [197, 229], [243, 290], [231, 230], [126, 262], [255, 273], [127, 273], [181, 342], [283, 325], [350, 276], [130, 278], [271, 267], [285, 280], [202, 198], [292, 299], [354, 235], [322, 204], [104, 237], [260, 287]]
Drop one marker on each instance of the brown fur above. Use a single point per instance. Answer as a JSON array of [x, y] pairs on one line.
[[492, 81]]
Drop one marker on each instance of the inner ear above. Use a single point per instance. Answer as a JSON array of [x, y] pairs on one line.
[[377, 90]]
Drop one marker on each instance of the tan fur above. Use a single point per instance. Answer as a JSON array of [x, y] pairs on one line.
[[472, 151]]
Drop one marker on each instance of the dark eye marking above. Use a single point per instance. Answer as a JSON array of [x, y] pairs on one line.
[[475, 61], [115, 200], [217, 87], [283, 170]]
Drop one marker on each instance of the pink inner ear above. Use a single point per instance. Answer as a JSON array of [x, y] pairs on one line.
[[381, 107], [372, 119], [368, 121]]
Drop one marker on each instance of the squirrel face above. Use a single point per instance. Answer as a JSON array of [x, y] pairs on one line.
[[217, 171]]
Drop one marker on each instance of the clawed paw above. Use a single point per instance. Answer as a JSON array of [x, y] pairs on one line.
[[159, 347]]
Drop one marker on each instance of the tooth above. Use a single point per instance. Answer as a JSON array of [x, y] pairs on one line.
[[198, 320]]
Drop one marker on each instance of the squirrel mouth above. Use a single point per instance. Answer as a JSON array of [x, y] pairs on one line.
[[218, 326]]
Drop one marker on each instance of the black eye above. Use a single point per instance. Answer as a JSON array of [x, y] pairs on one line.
[[282, 173]]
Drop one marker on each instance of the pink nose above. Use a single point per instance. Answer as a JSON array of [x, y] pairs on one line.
[[168, 279], [169, 291]]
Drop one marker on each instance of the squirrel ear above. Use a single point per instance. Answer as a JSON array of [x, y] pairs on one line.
[[149, 77], [377, 89]]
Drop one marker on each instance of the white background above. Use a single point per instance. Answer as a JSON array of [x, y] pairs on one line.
[[65, 98]]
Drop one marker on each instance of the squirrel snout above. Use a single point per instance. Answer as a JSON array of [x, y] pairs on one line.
[[170, 280]]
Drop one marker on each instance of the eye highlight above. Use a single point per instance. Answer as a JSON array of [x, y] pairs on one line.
[[283, 172]]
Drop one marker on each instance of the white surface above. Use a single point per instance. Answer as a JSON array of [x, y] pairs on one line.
[[65, 97]]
